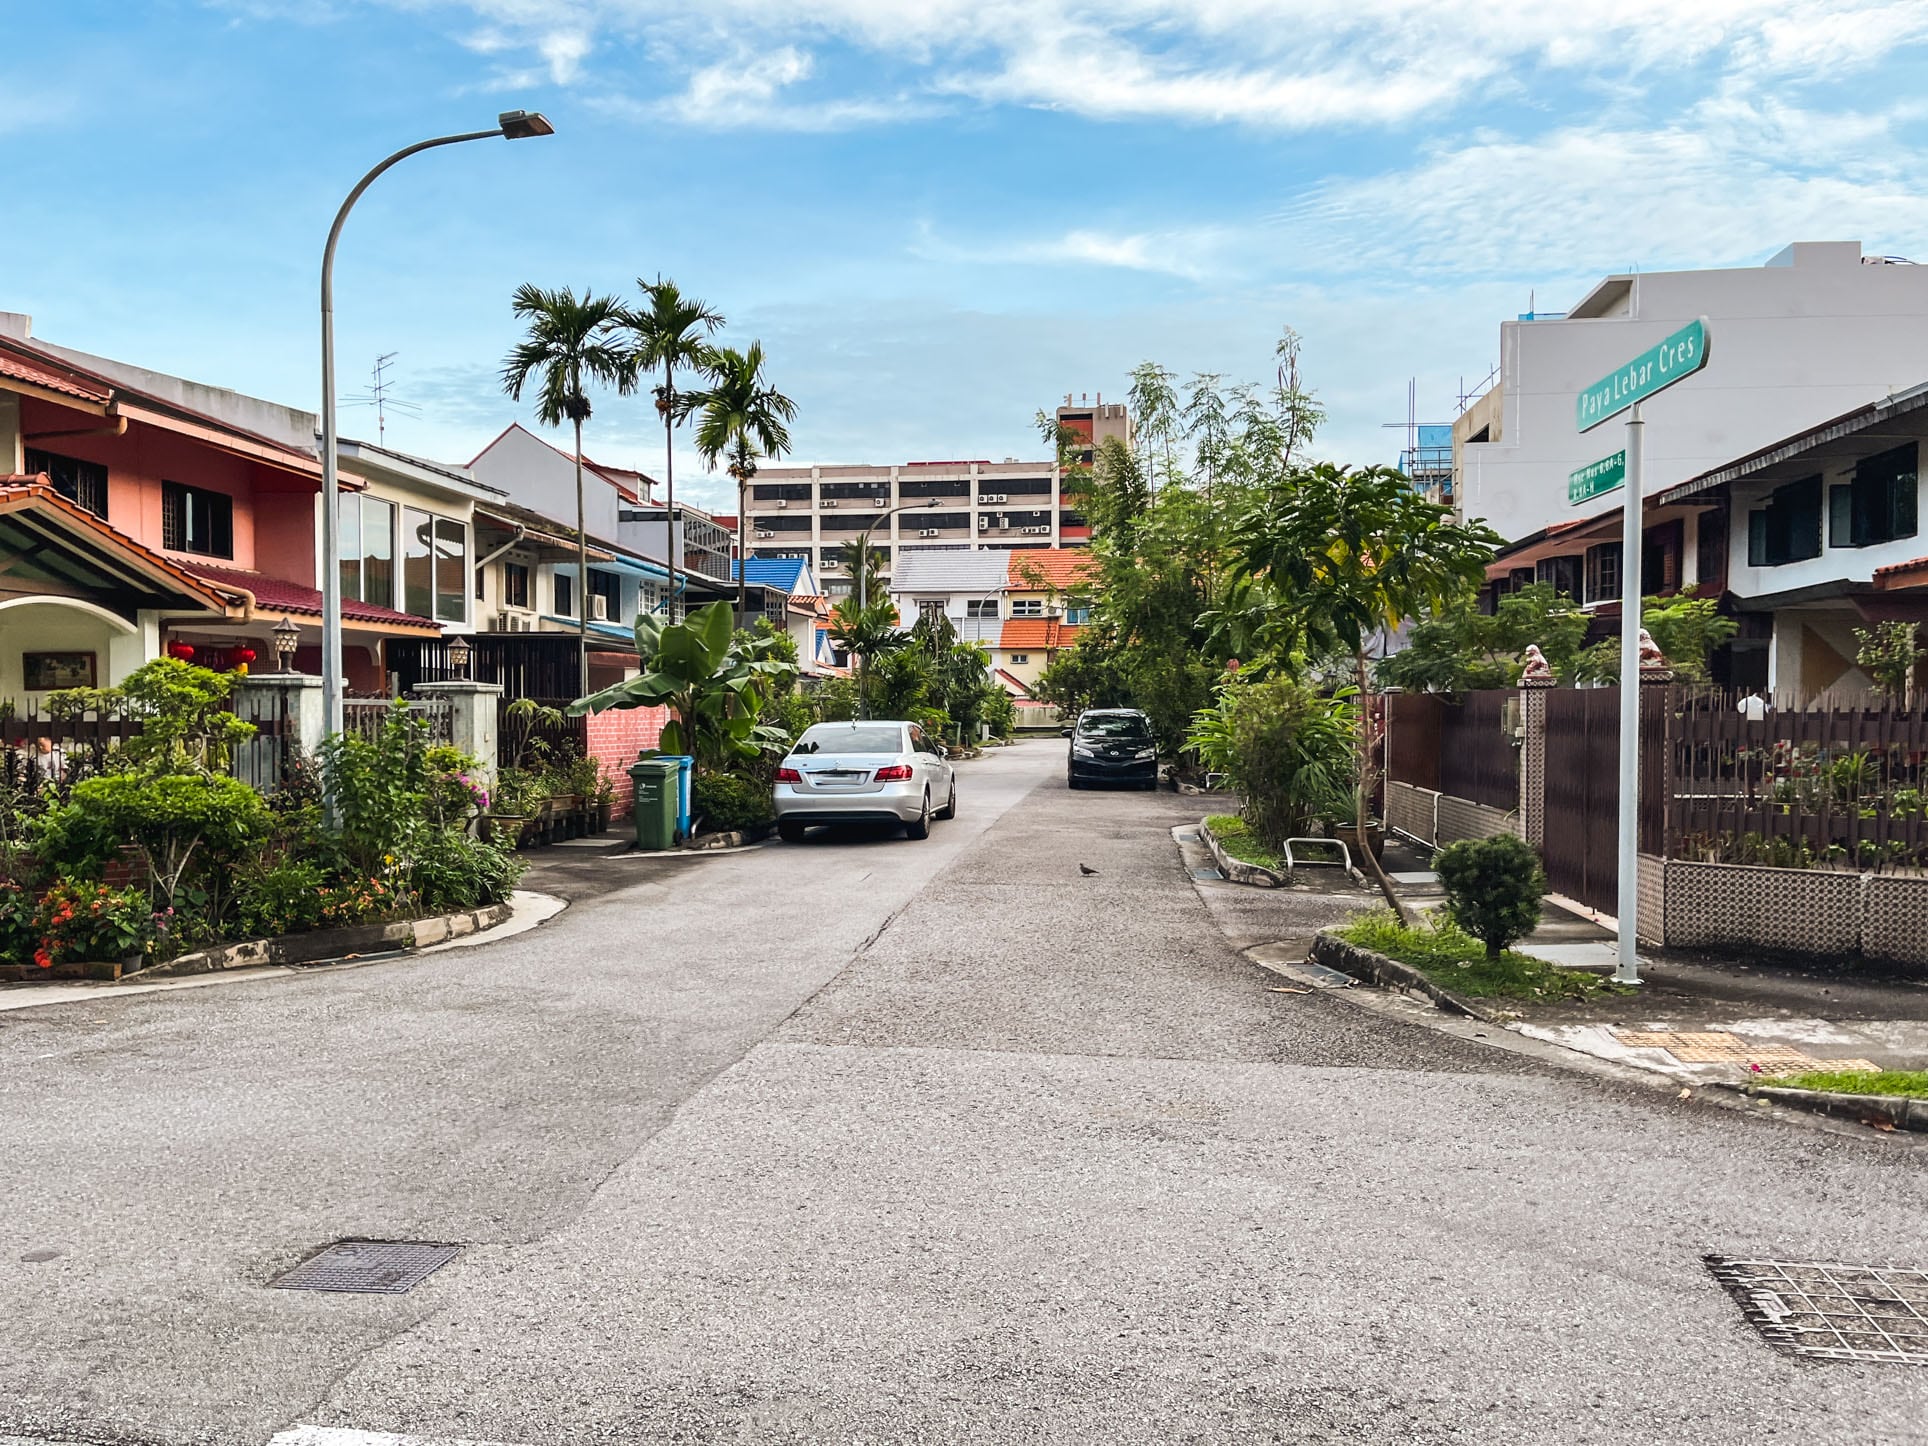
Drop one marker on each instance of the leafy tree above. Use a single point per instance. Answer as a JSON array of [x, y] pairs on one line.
[[178, 821], [866, 629], [571, 342], [1888, 653], [741, 418], [668, 331], [1457, 647], [712, 683], [1684, 627], [183, 710], [1349, 552], [1086, 675]]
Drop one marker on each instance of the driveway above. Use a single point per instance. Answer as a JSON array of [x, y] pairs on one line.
[[870, 1140]]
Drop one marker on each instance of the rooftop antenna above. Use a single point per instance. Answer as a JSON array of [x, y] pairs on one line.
[[378, 396]]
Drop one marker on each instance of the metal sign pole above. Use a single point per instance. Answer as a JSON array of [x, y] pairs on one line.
[[1628, 967]]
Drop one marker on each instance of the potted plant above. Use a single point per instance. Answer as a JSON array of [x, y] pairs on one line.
[[605, 799], [517, 801], [583, 777]]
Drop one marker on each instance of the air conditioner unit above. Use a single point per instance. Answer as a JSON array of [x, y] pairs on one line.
[[829, 502], [983, 524], [598, 608], [1000, 497], [927, 532], [764, 532], [1004, 524], [783, 502]]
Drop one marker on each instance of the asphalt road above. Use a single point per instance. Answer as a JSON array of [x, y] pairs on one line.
[[866, 1140]]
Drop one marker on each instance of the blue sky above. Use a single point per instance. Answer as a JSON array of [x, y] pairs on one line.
[[939, 216]]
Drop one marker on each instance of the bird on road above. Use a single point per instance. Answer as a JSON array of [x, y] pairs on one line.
[[1086, 869]]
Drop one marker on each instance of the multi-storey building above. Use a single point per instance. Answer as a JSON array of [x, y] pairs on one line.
[[816, 513]]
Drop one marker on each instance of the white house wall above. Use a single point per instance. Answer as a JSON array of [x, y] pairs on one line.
[[537, 476], [1791, 346]]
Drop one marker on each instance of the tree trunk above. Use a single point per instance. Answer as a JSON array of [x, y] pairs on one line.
[[743, 551], [1362, 789], [673, 544]]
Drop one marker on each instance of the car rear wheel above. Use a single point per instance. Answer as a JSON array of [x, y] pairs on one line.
[[920, 827], [949, 810], [790, 830]]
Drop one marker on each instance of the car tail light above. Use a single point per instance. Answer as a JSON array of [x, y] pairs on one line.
[[789, 775], [893, 773]]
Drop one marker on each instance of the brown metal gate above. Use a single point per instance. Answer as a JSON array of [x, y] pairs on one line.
[[1580, 841]]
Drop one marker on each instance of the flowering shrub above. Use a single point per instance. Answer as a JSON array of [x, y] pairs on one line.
[[77, 920], [358, 901]]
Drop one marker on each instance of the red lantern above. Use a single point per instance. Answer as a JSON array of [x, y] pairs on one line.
[[242, 657], [183, 651]]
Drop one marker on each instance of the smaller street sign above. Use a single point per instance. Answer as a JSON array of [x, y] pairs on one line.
[[1655, 369], [1597, 477]]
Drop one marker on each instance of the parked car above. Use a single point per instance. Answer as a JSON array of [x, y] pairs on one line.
[[1111, 745], [873, 771]]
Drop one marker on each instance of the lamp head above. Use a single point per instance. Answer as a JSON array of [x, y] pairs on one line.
[[520, 125]]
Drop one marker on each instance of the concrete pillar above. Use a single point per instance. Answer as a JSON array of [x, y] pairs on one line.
[[1533, 764], [294, 696], [473, 709]]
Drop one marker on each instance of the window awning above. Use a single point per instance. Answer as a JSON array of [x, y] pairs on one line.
[[51, 546]]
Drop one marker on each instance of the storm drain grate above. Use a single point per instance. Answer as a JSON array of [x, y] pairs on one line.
[[379, 1267], [1207, 874], [1832, 1312]]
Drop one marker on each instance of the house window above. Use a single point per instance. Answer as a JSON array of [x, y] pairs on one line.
[[82, 483], [1077, 616], [1787, 528], [1027, 607], [1602, 573], [608, 587], [565, 586], [1020, 657], [933, 610], [1879, 504], [984, 607], [194, 519], [435, 560], [1561, 573], [367, 550], [451, 567], [515, 584], [1710, 552]]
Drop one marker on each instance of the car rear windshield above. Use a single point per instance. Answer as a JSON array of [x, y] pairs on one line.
[[1123, 725], [843, 738]]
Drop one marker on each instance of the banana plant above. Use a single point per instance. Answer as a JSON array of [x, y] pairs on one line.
[[712, 681]]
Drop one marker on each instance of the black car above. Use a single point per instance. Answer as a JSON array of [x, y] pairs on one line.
[[1111, 745]]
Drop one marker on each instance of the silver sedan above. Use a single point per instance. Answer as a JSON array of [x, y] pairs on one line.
[[874, 771]]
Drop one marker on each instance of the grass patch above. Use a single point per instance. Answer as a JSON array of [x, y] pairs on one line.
[[1235, 836], [1908, 1083], [1455, 960]]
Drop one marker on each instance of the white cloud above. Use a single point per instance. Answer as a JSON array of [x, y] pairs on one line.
[[748, 90], [1193, 253]]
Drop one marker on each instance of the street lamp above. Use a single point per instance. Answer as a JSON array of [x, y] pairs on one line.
[[863, 547], [287, 637], [514, 125]]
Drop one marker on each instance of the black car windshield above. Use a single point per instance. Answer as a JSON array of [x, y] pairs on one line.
[[1117, 725], [846, 738]]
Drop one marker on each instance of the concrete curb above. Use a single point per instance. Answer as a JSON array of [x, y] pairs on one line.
[[1237, 870], [1335, 953], [1902, 1113], [328, 944]]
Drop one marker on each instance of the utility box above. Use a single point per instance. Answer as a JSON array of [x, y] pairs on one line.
[[658, 801]]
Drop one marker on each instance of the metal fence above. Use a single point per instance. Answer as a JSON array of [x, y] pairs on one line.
[[1466, 746], [1840, 782], [366, 717]]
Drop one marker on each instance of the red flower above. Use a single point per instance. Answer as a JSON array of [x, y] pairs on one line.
[[43, 958]]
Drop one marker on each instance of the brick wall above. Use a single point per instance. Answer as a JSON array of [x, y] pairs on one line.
[[615, 738]]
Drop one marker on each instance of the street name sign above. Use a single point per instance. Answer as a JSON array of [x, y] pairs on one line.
[[1597, 477], [1656, 368]]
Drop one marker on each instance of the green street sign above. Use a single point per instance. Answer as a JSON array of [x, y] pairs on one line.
[[1597, 477], [1655, 369]]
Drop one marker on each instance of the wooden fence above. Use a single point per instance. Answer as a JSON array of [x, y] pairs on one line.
[[1460, 746]]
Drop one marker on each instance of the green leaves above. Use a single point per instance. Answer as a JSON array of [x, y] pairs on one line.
[[571, 342]]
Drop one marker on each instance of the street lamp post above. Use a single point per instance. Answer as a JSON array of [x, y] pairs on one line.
[[511, 125], [863, 549]]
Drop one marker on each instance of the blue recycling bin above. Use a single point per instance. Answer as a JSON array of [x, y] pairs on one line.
[[685, 765]]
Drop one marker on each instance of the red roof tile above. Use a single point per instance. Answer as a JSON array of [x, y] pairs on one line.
[[68, 383], [1037, 634], [278, 595], [34, 491], [1039, 569]]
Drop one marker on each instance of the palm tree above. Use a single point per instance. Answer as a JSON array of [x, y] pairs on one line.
[[570, 341], [670, 331], [742, 418]]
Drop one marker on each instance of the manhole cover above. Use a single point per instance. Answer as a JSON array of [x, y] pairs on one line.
[[1832, 1312], [380, 1267], [1207, 874]]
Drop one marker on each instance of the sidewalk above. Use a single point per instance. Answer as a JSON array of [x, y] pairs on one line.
[[1702, 1017]]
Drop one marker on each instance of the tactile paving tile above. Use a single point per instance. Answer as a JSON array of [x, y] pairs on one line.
[[1719, 1047]]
